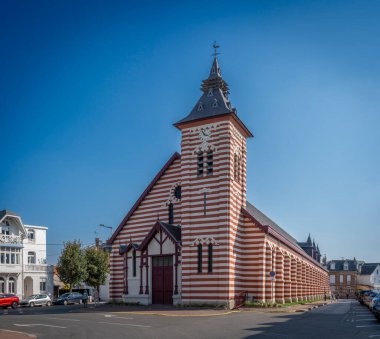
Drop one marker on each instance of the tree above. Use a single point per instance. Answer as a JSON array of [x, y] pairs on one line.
[[97, 266], [72, 264]]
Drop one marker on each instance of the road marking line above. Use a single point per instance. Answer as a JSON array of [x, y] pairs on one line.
[[374, 335], [367, 325], [361, 315], [104, 322], [32, 325], [62, 319], [114, 316], [28, 334]]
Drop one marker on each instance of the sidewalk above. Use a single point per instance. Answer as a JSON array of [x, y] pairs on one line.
[[162, 310], [289, 309], [7, 334], [172, 311]]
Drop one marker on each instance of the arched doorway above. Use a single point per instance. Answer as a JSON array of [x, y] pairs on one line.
[[28, 286]]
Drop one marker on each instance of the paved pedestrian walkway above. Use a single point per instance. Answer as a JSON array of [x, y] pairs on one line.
[[7, 334], [172, 311], [293, 308]]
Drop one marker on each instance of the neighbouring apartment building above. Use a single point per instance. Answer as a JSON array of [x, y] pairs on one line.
[[192, 236], [343, 277], [23, 268]]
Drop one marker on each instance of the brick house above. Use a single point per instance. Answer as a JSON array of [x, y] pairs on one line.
[[343, 277], [192, 237]]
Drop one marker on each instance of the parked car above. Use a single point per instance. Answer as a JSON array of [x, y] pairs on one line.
[[69, 298], [7, 299], [376, 309], [36, 300], [374, 300], [362, 295], [368, 298]]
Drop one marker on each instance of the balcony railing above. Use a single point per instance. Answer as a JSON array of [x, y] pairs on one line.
[[10, 239], [38, 268]]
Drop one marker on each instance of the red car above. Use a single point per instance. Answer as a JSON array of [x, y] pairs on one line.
[[7, 300]]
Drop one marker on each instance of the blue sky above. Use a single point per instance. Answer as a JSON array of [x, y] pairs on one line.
[[90, 90]]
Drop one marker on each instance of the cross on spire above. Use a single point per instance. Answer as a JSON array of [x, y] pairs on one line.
[[215, 46]]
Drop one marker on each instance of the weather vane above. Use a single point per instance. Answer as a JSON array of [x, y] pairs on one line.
[[215, 46]]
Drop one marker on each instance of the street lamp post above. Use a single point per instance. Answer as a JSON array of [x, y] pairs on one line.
[[105, 226]]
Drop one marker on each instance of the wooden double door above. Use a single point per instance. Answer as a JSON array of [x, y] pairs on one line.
[[162, 279]]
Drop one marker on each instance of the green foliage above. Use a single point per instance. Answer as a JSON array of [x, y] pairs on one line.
[[72, 264], [97, 266]]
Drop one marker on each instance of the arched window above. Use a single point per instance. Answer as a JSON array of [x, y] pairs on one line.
[[134, 263], [200, 164], [210, 162], [11, 285], [31, 257], [237, 167], [31, 235], [177, 192], [5, 228], [2, 285], [199, 258], [209, 258], [171, 213]]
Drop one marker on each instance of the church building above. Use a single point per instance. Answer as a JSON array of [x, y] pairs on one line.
[[193, 238]]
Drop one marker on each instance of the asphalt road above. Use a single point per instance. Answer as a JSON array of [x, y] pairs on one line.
[[345, 319]]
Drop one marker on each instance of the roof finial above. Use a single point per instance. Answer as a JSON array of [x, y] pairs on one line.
[[215, 46]]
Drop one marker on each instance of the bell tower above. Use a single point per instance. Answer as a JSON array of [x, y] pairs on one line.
[[213, 183]]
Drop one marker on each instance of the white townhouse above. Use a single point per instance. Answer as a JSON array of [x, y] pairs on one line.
[[23, 268], [369, 275]]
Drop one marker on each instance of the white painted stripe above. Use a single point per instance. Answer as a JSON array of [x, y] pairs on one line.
[[61, 319], [135, 325], [34, 325]]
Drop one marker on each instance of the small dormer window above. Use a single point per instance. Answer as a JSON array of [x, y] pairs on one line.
[[215, 103], [5, 228], [210, 93], [345, 266], [200, 107], [332, 266]]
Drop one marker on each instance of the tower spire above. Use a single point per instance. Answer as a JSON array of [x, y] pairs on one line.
[[309, 240], [214, 100]]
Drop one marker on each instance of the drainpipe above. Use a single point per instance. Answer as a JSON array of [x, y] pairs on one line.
[[22, 266]]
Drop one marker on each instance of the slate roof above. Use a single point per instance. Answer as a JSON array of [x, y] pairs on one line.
[[124, 248], [174, 230], [339, 265], [214, 100], [368, 269], [266, 221]]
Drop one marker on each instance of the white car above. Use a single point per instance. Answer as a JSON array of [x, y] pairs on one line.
[[36, 300]]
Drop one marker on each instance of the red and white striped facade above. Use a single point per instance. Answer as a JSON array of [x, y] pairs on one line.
[[212, 209]]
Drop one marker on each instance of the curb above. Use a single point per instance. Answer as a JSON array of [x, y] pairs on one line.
[[175, 315], [282, 309]]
